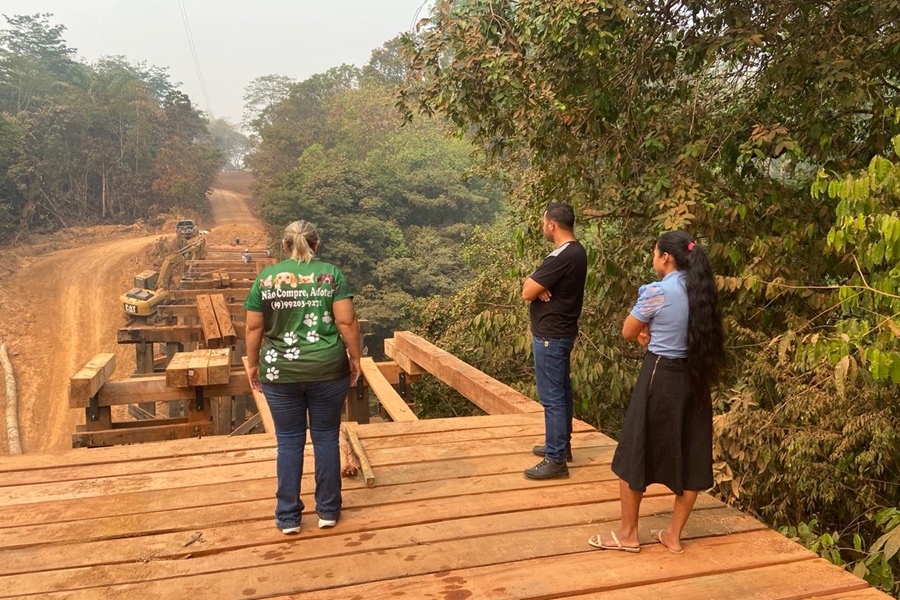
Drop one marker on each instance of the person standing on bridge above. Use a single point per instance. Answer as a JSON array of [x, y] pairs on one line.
[[301, 327], [667, 434], [556, 292]]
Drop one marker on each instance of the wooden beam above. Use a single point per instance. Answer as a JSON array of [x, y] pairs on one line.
[[138, 435], [247, 426], [223, 317], [198, 368], [154, 389], [176, 371], [207, 285], [91, 377], [492, 396], [156, 334], [219, 366], [261, 405], [364, 464], [235, 295], [404, 361], [208, 322], [235, 309], [388, 397], [182, 334]]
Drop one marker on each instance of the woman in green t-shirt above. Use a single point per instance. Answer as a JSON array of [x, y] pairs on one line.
[[301, 326]]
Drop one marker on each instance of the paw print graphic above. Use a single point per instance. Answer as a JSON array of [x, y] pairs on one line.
[[271, 355], [290, 338], [310, 320], [312, 337], [271, 373], [292, 354], [326, 318]]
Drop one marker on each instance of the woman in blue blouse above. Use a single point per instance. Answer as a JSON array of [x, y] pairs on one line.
[[667, 434]]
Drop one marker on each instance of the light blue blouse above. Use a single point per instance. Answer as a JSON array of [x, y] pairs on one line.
[[664, 306]]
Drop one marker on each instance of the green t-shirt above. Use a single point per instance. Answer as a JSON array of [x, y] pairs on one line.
[[301, 341]]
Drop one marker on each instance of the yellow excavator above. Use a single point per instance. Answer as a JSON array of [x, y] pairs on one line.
[[151, 288]]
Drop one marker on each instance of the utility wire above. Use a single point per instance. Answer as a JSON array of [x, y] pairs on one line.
[[190, 38]]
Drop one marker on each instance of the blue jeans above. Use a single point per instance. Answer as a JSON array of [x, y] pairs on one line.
[[290, 403], [552, 372]]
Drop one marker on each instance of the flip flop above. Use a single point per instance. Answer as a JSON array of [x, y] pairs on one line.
[[596, 542], [657, 534]]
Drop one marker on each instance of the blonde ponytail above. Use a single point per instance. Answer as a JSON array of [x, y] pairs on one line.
[[301, 238]]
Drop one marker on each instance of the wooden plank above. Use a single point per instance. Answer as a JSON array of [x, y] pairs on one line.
[[408, 366], [130, 455], [219, 366], [802, 579], [487, 393], [364, 464], [391, 401], [198, 368], [487, 518], [261, 405], [135, 495], [571, 571], [322, 546], [208, 322], [223, 316], [396, 566], [106, 463], [140, 435], [90, 378]]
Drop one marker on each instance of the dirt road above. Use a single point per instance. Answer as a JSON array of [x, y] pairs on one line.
[[63, 308], [71, 302]]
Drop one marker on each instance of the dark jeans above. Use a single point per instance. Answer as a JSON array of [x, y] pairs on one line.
[[554, 387], [290, 403]]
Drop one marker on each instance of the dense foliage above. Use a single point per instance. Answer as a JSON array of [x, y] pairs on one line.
[[392, 204], [90, 143], [719, 117]]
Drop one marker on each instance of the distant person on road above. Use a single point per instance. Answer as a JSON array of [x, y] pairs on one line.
[[246, 256], [301, 326], [667, 434], [555, 291]]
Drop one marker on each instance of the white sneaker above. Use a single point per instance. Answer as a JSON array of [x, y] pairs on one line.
[[291, 530], [326, 523]]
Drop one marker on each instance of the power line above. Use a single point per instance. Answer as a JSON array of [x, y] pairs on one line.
[[190, 38]]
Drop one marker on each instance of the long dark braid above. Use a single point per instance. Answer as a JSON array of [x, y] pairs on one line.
[[706, 353]]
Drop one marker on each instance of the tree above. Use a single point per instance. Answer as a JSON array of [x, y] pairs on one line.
[[715, 117], [232, 143], [260, 96]]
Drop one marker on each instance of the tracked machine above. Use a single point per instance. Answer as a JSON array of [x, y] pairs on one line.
[[151, 288]]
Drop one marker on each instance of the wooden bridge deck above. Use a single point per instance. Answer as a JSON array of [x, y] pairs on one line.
[[451, 517]]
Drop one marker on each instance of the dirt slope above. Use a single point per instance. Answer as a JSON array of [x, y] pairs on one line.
[[70, 300], [62, 308]]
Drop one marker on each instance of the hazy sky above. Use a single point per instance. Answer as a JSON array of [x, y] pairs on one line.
[[236, 40]]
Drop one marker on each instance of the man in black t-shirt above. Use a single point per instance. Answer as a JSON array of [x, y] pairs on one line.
[[556, 293]]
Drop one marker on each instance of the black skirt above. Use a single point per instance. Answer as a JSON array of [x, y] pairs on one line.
[[667, 436]]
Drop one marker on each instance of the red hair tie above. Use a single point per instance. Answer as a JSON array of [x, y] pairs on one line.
[[690, 246]]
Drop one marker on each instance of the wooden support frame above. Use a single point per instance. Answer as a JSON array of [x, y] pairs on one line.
[[393, 404], [492, 396]]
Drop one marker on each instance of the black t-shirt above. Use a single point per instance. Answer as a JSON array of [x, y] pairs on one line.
[[563, 272]]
